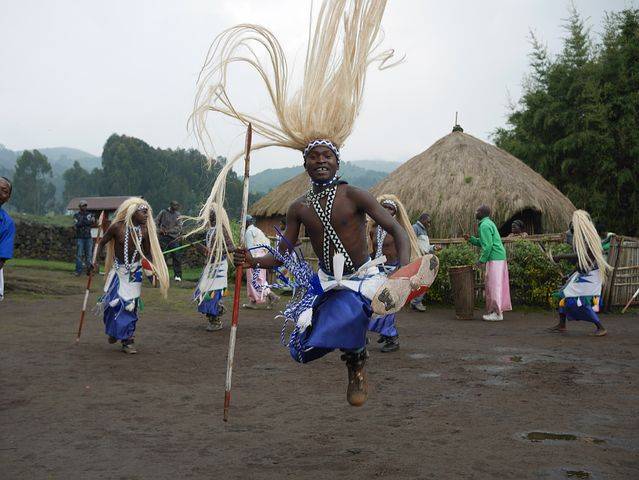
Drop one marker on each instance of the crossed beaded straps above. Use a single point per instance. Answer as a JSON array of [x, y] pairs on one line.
[[380, 236], [137, 231], [330, 236]]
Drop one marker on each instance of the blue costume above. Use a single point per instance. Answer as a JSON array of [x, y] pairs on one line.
[[212, 284], [385, 325], [7, 234], [121, 301], [122, 288], [330, 309], [580, 297]]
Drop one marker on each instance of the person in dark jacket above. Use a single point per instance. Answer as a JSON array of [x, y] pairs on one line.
[[169, 225], [82, 222]]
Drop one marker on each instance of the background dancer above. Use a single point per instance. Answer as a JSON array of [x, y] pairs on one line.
[[129, 240], [383, 244], [257, 286], [580, 297], [214, 278]]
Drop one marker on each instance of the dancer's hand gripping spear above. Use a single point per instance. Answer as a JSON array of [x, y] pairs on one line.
[[238, 277], [90, 277]]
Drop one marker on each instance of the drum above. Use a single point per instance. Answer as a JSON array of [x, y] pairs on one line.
[[462, 282]]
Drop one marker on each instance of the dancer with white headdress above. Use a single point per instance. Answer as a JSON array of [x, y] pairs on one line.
[[214, 278], [133, 250], [383, 244], [315, 119], [580, 297]]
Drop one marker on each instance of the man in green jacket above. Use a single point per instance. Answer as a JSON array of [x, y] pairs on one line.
[[493, 255]]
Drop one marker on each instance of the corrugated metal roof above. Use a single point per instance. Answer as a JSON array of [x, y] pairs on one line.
[[97, 203]]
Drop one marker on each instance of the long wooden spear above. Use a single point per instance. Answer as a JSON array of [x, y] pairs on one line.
[[630, 301], [238, 277], [88, 289]]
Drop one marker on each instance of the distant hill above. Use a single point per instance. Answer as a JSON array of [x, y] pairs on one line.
[[377, 165], [352, 172], [60, 158]]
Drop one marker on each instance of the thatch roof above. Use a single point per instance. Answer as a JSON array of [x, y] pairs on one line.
[[276, 201], [460, 172]]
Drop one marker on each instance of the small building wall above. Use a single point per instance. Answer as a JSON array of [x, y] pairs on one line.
[[267, 224]]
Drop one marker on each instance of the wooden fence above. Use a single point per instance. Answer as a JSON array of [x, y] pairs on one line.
[[624, 280]]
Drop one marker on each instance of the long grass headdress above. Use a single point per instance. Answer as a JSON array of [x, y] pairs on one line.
[[587, 244], [125, 213], [343, 42], [404, 220]]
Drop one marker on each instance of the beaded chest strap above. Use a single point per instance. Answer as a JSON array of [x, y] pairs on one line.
[[330, 236]]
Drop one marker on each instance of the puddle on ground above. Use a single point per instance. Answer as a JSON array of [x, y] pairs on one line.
[[541, 436], [417, 356], [561, 437], [577, 474], [429, 375]]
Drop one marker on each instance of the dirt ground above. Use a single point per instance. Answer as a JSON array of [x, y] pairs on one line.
[[458, 401]]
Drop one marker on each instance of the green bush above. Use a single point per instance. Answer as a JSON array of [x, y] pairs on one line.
[[533, 277], [453, 256]]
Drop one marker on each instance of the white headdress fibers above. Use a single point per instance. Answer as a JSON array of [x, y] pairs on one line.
[[341, 45], [402, 218], [124, 213], [587, 244]]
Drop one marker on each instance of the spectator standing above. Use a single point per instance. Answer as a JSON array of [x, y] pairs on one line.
[[420, 227], [7, 230], [83, 220], [169, 226], [493, 256]]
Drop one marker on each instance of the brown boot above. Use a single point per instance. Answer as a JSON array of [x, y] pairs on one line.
[[357, 391]]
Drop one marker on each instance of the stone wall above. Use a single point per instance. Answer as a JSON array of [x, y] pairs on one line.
[[46, 242], [53, 242]]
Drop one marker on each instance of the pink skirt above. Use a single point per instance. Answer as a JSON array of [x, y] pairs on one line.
[[255, 295], [497, 287]]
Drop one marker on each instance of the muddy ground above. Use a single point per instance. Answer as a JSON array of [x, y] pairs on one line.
[[456, 402]]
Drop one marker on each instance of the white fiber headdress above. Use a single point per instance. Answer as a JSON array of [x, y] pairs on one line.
[[125, 213], [342, 44], [587, 244]]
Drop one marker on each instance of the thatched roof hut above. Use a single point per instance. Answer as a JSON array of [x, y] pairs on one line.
[[272, 207], [460, 172]]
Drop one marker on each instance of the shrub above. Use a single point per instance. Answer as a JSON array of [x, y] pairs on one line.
[[533, 277]]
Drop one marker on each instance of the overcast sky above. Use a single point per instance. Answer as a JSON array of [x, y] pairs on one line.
[[74, 72]]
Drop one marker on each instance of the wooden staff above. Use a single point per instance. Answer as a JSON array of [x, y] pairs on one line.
[[238, 277], [630, 301], [90, 276]]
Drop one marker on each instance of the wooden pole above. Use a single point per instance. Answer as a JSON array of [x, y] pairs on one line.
[[90, 277], [238, 277]]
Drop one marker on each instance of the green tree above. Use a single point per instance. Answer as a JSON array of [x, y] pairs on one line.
[[132, 167], [576, 123], [80, 183], [33, 191]]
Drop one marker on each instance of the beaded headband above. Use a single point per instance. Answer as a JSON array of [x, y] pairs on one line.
[[323, 143], [388, 201]]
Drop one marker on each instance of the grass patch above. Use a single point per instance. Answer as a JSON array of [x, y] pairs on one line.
[[188, 274], [57, 220], [54, 265]]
